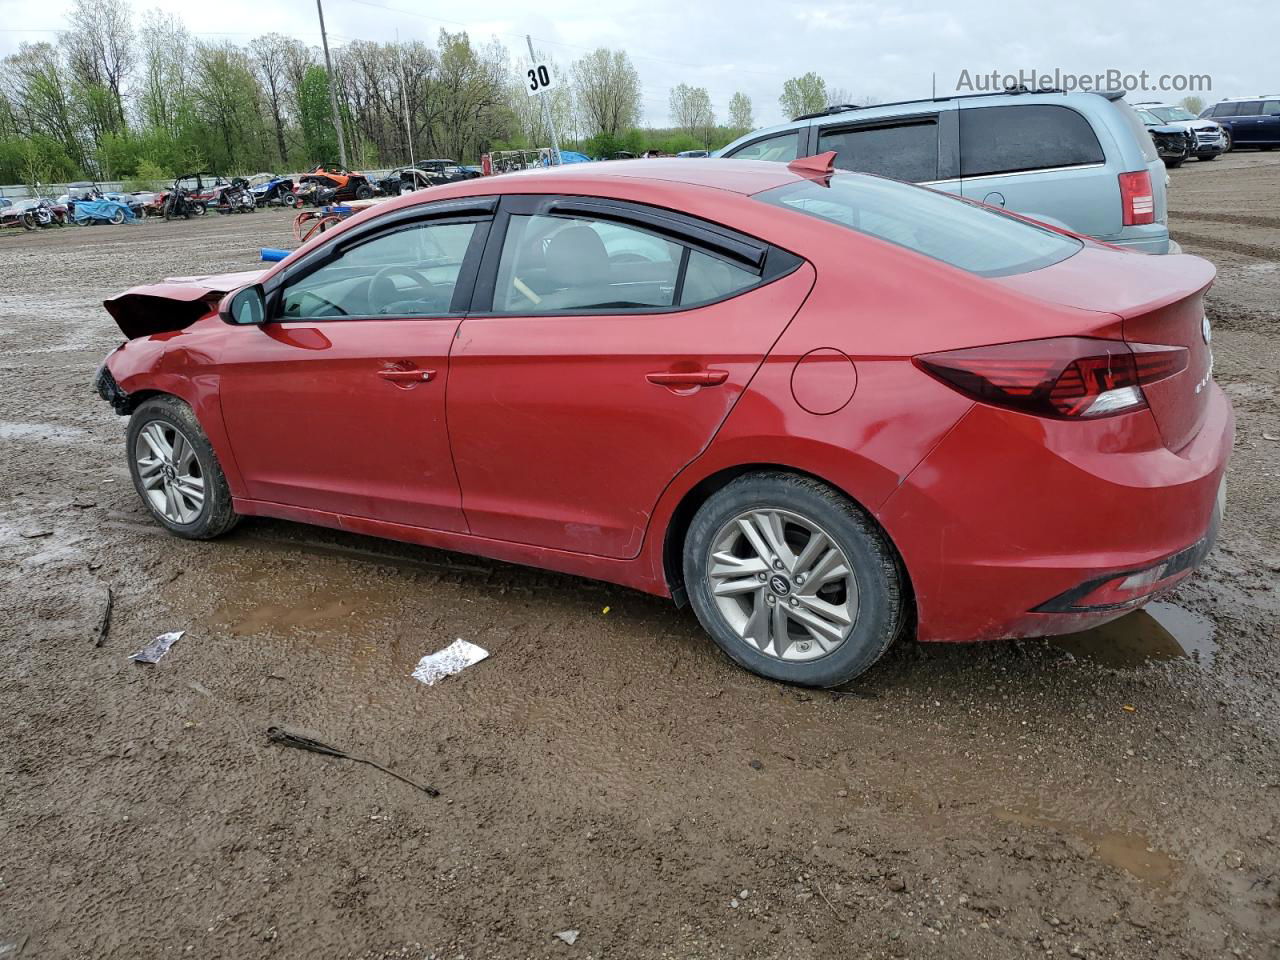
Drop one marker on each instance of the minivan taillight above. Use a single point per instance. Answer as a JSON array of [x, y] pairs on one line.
[[1060, 377], [1137, 201]]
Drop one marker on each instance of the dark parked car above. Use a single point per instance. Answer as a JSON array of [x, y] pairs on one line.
[[1173, 143], [1249, 121]]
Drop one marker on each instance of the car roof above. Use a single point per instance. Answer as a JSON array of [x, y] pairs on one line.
[[1260, 96], [745, 177]]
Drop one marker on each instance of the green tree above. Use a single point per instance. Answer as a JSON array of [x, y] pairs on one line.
[[801, 95], [319, 138], [1193, 104], [607, 91]]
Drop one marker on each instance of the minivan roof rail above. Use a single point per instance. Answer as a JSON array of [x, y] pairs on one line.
[[1008, 92]]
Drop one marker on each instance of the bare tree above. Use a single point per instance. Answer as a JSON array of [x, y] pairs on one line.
[[536, 116], [1193, 104], [273, 54], [806, 94], [840, 96], [166, 57], [691, 110], [607, 90], [740, 113], [100, 47]]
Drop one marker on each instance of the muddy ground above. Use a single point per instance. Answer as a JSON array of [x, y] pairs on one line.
[[1110, 796]]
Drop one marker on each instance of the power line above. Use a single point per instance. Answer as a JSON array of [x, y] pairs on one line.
[[773, 75]]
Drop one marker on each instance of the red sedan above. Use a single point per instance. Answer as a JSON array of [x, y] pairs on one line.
[[818, 406]]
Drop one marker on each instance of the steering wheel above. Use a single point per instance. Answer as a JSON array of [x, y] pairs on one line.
[[382, 291]]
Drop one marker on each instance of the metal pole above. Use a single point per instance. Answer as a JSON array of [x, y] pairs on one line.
[[333, 91], [404, 99], [547, 117]]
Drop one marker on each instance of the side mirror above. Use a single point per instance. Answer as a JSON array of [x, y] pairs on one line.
[[246, 308]]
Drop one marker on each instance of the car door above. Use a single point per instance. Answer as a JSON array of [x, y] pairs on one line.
[[609, 343], [1042, 160], [1247, 123], [1269, 134], [337, 403]]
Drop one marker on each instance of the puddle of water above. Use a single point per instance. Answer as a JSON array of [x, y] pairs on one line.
[[1130, 852], [1159, 631]]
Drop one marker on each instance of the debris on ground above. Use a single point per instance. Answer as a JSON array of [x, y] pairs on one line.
[[454, 658], [104, 623], [568, 936], [306, 740], [35, 533], [158, 647]]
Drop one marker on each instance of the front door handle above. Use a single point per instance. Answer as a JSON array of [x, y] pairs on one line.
[[688, 378], [406, 376]]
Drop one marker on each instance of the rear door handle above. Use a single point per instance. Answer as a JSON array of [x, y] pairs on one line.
[[406, 376], [688, 378]]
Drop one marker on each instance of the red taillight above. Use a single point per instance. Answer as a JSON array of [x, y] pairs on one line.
[[1137, 200], [1063, 377]]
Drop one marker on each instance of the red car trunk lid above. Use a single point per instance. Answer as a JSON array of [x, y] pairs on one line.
[[1160, 300]]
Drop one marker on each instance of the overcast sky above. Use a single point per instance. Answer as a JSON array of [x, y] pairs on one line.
[[875, 51]]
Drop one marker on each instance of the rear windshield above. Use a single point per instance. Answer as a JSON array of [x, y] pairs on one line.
[[962, 234]]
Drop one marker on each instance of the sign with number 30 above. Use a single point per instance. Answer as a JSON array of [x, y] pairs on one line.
[[538, 79]]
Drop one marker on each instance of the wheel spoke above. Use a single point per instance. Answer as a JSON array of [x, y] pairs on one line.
[[154, 438], [151, 472], [828, 634], [756, 629], [770, 525], [781, 635], [758, 544], [830, 566], [814, 549]]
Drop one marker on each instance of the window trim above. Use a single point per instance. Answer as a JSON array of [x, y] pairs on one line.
[[462, 289], [682, 229]]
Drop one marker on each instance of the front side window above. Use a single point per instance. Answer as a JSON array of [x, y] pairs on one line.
[[1225, 110], [906, 151], [1026, 137], [555, 263], [408, 272], [781, 149], [962, 234]]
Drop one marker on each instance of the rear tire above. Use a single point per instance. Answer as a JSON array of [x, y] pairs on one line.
[[1208, 156], [164, 419], [757, 607]]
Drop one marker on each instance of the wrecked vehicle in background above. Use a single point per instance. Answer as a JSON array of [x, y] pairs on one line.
[[345, 184]]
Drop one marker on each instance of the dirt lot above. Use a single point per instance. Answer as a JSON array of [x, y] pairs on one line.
[[1105, 796]]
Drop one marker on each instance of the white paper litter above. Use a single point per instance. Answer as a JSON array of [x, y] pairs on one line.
[[568, 936], [158, 647], [454, 658]]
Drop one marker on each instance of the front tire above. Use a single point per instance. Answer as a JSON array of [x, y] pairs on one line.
[[792, 580], [176, 472]]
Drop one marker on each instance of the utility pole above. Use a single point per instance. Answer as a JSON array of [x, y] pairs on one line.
[[333, 91], [547, 116]]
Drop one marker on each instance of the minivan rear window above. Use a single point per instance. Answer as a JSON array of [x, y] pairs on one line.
[[946, 228], [1024, 137], [1248, 108]]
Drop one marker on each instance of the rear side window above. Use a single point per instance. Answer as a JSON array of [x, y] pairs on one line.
[[906, 151], [962, 234], [782, 148], [1248, 108], [708, 278], [1031, 137]]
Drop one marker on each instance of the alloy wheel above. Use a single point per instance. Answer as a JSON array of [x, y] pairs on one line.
[[169, 472], [783, 584]]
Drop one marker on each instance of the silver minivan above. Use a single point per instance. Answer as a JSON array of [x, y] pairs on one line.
[[1083, 161]]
